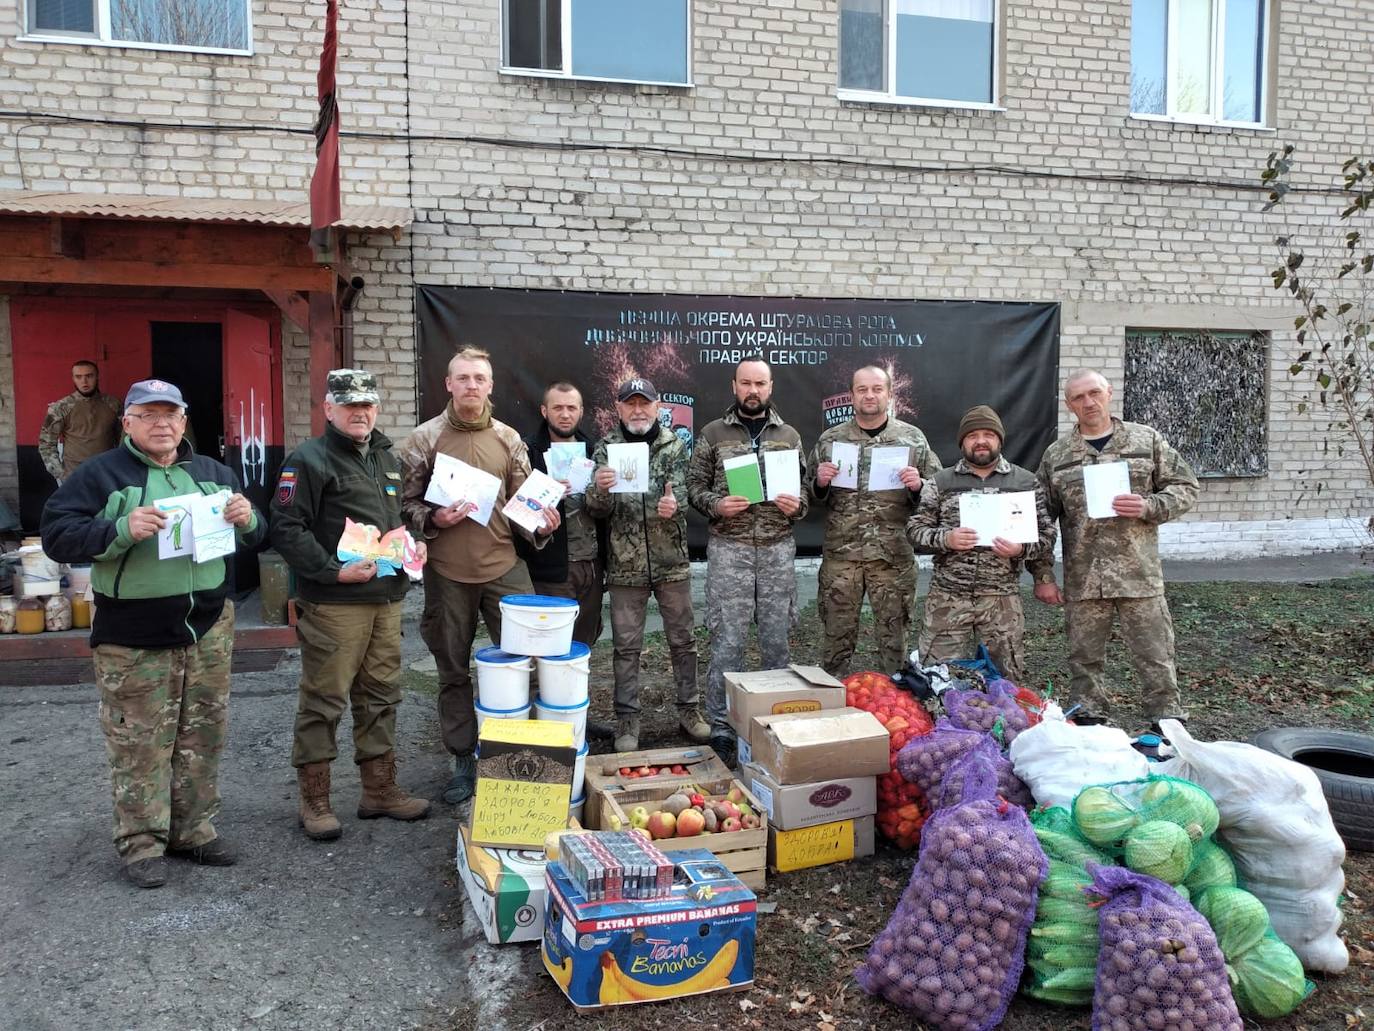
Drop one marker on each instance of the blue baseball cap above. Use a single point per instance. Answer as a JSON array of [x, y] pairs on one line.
[[151, 391]]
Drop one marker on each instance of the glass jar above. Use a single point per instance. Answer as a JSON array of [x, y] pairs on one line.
[[57, 612], [81, 612], [8, 608], [28, 619]]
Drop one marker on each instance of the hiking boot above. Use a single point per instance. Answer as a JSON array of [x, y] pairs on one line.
[[147, 873], [627, 734], [726, 747], [213, 853], [382, 796], [464, 781], [694, 725], [316, 817], [599, 731]]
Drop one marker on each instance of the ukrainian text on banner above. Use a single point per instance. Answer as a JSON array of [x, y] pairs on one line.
[[944, 356]]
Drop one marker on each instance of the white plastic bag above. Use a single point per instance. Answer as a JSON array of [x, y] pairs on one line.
[[1277, 827], [1057, 760]]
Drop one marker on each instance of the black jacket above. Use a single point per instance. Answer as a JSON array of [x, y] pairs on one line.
[[549, 564], [324, 480]]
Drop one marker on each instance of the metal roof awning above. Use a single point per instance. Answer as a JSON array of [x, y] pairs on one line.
[[361, 216]]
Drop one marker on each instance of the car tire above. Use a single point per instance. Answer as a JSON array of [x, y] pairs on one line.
[[1344, 763]]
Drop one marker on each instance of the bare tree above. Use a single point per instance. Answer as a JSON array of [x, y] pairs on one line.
[[221, 24]]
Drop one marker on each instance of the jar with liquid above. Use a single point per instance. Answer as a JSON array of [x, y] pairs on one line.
[[28, 619], [81, 612]]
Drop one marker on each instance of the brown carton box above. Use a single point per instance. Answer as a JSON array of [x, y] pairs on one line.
[[798, 748], [770, 692], [793, 806]]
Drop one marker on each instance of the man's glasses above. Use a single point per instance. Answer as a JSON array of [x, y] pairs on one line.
[[156, 418]]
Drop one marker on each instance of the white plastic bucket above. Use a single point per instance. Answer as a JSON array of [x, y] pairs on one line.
[[484, 714], [503, 679], [533, 624], [563, 678], [78, 579], [575, 810], [579, 772], [41, 575], [576, 715]]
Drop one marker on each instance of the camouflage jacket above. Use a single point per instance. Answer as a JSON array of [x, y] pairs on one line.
[[644, 549], [978, 571], [1115, 558], [727, 437], [86, 426], [863, 525]]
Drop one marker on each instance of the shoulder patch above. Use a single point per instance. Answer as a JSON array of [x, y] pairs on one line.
[[286, 487]]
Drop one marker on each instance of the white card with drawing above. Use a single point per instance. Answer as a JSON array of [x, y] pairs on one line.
[[538, 492], [580, 475], [885, 467], [453, 480], [846, 456], [1101, 483], [175, 539], [782, 470], [1010, 516], [631, 465], [212, 533], [558, 459]]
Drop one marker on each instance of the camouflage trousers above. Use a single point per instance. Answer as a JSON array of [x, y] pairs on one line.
[[745, 584], [350, 658], [1148, 633], [840, 589], [165, 713], [955, 623], [629, 606]]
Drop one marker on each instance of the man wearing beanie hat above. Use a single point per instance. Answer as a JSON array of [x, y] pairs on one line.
[[975, 594]]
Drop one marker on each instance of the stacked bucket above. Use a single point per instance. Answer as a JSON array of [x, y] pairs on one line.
[[536, 635]]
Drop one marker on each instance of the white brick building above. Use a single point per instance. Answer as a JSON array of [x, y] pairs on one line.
[[746, 169]]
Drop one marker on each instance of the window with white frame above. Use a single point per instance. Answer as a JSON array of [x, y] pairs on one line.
[[937, 51], [618, 40], [1199, 60], [163, 24]]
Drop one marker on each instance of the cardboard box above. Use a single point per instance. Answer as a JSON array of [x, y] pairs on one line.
[[820, 845], [524, 782], [792, 806], [773, 691], [744, 853], [699, 939], [603, 777], [799, 748], [506, 888]]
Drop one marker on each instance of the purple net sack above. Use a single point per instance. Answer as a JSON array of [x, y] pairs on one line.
[[981, 710], [953, 951], [1158, 967], [928, 762]]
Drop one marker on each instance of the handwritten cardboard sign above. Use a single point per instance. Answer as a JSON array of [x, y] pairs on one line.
[[814, 846], [524, 782]]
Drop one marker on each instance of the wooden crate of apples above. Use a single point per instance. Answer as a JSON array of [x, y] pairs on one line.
[[718, 815]]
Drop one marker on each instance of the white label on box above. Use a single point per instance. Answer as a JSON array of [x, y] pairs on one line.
[[764, 794], [743, 751], [569, 932]]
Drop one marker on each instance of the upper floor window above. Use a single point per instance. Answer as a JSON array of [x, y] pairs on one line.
[[221, 25], [1199, 60], [942, 52], [617, 40]]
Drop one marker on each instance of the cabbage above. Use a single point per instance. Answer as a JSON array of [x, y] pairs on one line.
[[1181, 802], [1238, 918], [1268, 981], [1101, 817], [1212, 868], [1160, 849]]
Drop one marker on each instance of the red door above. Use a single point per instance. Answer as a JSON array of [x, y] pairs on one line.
[[252, 401]]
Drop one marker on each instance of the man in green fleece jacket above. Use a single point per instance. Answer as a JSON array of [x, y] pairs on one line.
[[163, 636], [348, 614]]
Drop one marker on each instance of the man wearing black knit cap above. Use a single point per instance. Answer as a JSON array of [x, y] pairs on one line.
[[975, 594]]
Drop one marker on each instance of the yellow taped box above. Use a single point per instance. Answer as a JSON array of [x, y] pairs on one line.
[[799, 748], [524, 782], [604, 776], [773, 691], [744, 853], [820, 845]]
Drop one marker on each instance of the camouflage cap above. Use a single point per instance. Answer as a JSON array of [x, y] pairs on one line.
[[353, 387]]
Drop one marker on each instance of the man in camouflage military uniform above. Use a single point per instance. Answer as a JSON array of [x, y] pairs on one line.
[[750, 552], [470, 567], [648, 555], [1111, 565], [163, 635], [975, 591], [348, 616], [85, 421], [866, 550]]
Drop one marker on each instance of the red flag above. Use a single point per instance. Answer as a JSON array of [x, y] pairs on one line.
[[324, 185]]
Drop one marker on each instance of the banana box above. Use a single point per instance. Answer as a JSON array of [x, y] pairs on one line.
[[698, 939]]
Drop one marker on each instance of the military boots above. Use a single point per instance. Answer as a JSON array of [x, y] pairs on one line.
[[382, 796], [316, 817]]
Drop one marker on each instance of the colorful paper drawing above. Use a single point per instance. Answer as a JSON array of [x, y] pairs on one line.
[[393, 551]]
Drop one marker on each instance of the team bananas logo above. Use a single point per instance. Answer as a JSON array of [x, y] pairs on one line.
[[618, 987]]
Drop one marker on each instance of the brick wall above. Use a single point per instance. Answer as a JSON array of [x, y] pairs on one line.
[[757, 180]]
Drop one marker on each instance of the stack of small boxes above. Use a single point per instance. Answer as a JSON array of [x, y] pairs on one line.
[[811, 761]]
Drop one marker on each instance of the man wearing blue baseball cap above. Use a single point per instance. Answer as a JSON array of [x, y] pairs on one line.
[[163, 635]]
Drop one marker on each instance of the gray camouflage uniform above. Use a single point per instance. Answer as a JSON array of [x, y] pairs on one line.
[[866, 550], [750, 557], [1111, 566], [976, 593]]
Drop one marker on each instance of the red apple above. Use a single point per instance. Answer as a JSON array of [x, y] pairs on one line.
[[662, 824], [749, 821], [625, 771], [732, 824], [690, 823], [730, 809], [647, 771], [680, 770]]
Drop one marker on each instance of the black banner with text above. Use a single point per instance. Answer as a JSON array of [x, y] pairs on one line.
[[944, 357]]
